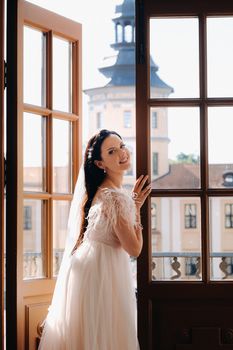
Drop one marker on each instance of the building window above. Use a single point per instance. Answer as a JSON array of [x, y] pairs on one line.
[[155, 163], [153, 216], [129, 172], [229, 261], [154, 120], [119, 33], [127, 119], [228, 215], [191, 266], [128, 33], [99, 117], [27, 218], [228, 179], [190, 216]]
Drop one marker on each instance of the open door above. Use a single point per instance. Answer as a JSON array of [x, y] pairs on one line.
[[185, 271], [43, 156]]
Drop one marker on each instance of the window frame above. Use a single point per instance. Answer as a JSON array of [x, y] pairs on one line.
[[17, 289], [2, 169], [151, 294], [145, 103], [50, 114]]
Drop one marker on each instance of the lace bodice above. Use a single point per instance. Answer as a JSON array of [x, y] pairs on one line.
[[107, 208]]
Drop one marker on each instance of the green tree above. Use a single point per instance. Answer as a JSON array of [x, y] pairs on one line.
[[187, 158]]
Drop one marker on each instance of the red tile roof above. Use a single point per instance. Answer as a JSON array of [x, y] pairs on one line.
[[183, 175]]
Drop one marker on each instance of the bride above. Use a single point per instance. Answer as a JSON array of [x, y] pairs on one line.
[[94, 304]]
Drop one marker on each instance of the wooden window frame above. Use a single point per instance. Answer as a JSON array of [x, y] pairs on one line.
[[30, 18], [147, 289], [20, 13], [2, 169]]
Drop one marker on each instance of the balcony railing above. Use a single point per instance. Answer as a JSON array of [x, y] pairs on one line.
[[34, 264], [166, 266], [187, 266]]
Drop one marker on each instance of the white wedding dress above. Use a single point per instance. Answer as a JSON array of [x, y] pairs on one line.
[[97, 310]]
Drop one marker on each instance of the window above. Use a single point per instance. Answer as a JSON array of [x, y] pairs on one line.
[[229, 261], [119, 33], [228, 215], [228, 179], [153, 216], [99, 118], [27, 218], [192, 266], [129, 172], [190, 216], [127, 119], [154, 120], [155, 163], [128, 33]]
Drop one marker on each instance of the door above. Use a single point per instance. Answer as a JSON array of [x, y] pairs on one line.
[[43, 154], [184, 93], [2, 172]]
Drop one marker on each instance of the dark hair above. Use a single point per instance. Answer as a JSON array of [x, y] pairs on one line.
[[94, 176]]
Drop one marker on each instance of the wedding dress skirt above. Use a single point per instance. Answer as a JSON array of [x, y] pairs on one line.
[[97, 309]]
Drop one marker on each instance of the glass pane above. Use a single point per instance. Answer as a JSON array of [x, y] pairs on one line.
[[175, 148], [34, 238], [221, 238], [62, 156], [220, 56], [60, 220], [174, 64], [176, 246], [34, 152], [62, 75], [34, 69], [220, 126]]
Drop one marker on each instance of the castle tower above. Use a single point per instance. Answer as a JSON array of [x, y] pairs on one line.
[[113, 106]]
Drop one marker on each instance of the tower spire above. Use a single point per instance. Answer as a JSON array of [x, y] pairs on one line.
[[121, 70]]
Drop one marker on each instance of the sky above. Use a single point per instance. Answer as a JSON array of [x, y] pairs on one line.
[[174, 48], [98, 31]]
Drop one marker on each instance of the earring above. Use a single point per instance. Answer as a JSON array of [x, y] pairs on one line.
[[104, 171]]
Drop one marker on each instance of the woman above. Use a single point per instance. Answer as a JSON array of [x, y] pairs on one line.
[[94, 306]]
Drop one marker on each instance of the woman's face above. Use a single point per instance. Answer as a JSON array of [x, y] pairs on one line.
[[115, 156]]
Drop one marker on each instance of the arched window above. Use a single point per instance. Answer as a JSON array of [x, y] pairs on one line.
[[119, 32], [128, 32]]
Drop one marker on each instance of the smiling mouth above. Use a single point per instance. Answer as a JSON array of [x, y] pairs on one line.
[[124, 161]]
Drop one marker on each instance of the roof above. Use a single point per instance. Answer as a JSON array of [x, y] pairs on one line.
[[127, 8], [122, 72], [183, 175]]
